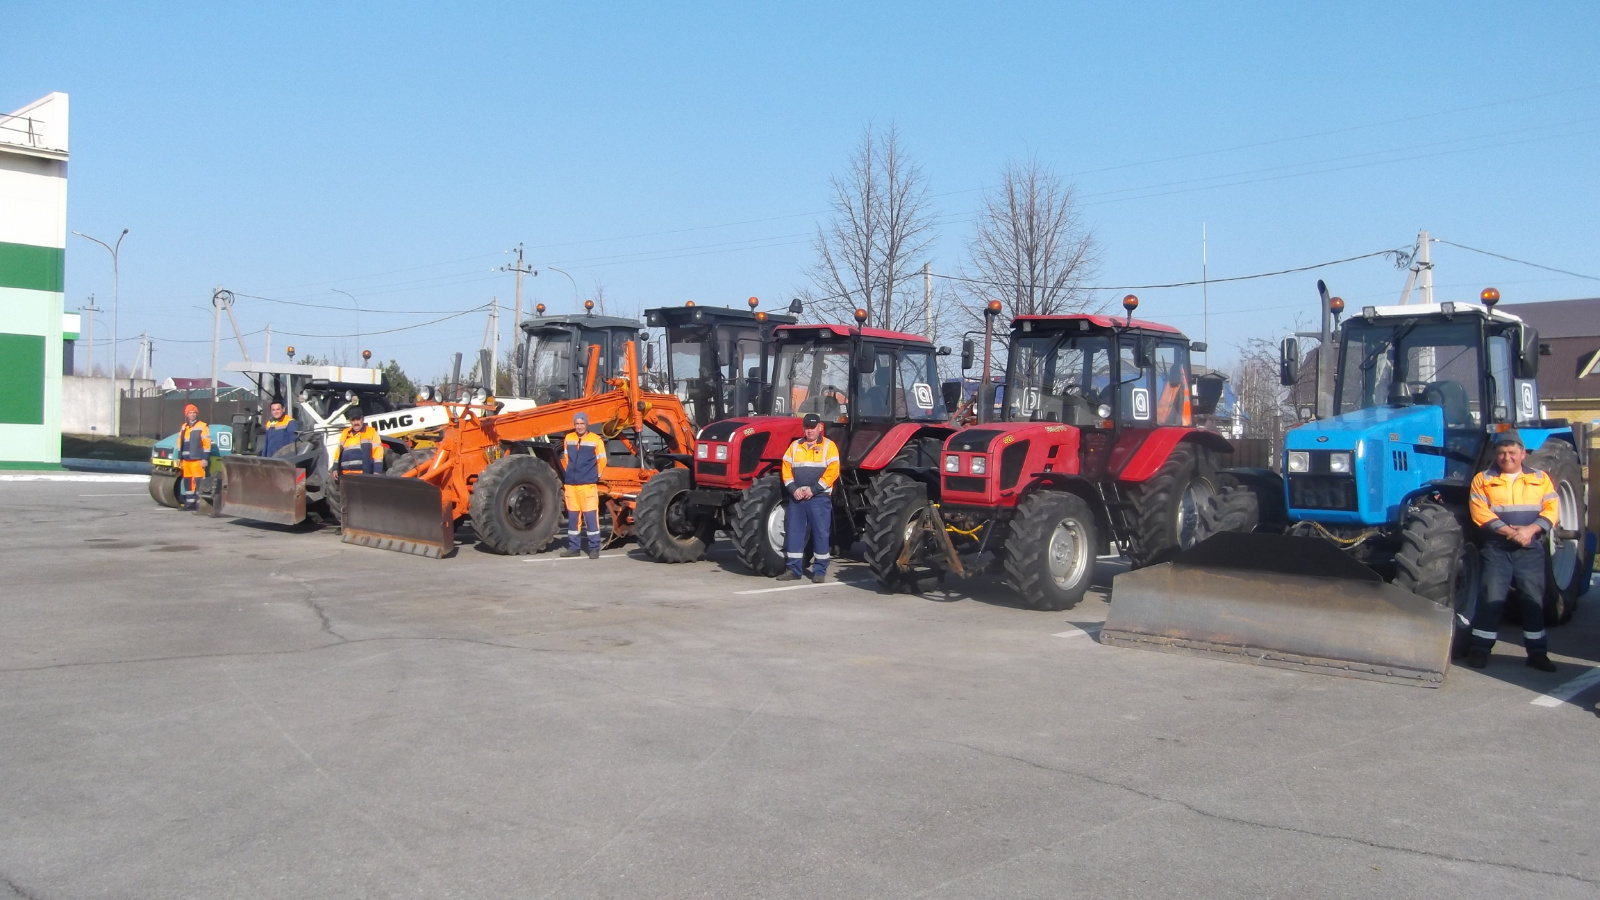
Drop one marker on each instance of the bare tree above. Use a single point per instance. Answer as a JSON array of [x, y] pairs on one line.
[[881, 226], [1031, 250]]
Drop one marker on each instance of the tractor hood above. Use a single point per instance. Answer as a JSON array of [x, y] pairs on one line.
[[1412, 424], [1359, 468]]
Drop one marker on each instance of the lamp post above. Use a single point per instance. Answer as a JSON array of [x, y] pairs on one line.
[[569, 278], [116, 395], [358, 312]]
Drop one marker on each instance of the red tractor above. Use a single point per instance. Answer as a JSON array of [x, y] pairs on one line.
[[1095, 444], [878, 393]]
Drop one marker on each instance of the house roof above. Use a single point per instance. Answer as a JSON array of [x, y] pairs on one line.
[[1560, 318]]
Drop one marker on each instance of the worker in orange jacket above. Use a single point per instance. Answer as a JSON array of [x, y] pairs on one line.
[[585, 464], [194, 453], [1515, 507], [810, 468], [360, 450]]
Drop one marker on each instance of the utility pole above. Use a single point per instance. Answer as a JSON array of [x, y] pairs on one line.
[[91, 309], [1205, 297], [927, 296], [1425, 268], [494, 344], [516, 314], [268, 356], [216, 340]]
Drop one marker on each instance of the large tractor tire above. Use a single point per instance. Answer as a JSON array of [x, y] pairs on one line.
[[409, 460], [1050, 553], [164, 490], [1167, 507], [516, 505], [1436, 561], [1234, 507], [899, 510], [1564, 567], [664, 522], [757, 526]]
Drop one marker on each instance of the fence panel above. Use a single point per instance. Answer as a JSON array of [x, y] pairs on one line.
[[161, 414]]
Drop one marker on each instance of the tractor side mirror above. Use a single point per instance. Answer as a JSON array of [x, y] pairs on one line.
[[1530, 351], [1141, 352], [1289, 361], [650, 357], [944, 351], [1197, 346], [866, 361], [969, 353], [951, 392], [1208, 388], [521, 355]]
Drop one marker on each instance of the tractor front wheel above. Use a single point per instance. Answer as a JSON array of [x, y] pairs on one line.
[[1234, 507], [899, 512], [1436, 561], [757, 526], [1051, 551], [665, 523], [516, 505], [1564, 570]]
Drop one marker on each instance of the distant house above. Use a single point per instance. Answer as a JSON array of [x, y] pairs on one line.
[[1569, 378], [197, 388]]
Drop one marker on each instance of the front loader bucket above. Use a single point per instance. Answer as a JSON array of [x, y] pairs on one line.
[[267, 490], [1276, 600], [402, 514]]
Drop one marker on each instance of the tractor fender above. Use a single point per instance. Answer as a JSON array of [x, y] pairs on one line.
[[1083, 488], [895, 439], [1157, 446]]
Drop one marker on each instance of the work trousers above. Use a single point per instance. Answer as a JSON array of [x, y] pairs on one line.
[[813, 517], [193, 472], [583, 514], [1506, 566]]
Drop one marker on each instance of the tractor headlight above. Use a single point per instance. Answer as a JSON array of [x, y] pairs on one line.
[[1104, 411], [1339, 463], [703, 451], [722, 452], [952, 463], [980, 465], [1299, 461]]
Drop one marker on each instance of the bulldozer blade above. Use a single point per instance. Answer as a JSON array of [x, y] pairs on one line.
[[401, 514], [267, 490], [1276, 600]]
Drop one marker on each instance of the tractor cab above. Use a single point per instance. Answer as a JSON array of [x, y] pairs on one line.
[[553, 358], [1096, 372], [717, 359]]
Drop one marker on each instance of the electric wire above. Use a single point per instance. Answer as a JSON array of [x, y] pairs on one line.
[[1518, 261]]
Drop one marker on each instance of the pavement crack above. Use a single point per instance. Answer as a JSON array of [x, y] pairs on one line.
[[19, 891], [248, 653]]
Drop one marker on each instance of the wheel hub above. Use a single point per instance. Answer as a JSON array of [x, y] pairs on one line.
[[1068, 553]]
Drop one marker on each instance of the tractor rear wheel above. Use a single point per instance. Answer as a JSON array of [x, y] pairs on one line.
[[665, 523], [757, 526], [1051, 550], [1436, 561], [409, 460], [164, 490], [1234, 507], [1167, 506], [516, 505], [1563, 568], [899, 511]]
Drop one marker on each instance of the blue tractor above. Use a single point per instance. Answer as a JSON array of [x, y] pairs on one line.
[[1363, 559]]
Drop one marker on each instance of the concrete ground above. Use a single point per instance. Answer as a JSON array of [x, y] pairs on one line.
[[205, 708]]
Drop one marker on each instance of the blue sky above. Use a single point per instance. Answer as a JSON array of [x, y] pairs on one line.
[[395, 151]]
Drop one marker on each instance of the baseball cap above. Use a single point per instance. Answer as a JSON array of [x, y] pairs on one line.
[[811, 420], [1508, 437]]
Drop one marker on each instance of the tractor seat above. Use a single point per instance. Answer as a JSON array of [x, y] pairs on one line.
[[1452, 397]]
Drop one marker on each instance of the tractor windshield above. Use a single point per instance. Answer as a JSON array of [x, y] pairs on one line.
[[1413, 362], [712, 391], [549, 369], [1059, 378], [812, 378]]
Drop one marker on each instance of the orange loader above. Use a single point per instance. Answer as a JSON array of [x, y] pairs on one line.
[[504, 471]]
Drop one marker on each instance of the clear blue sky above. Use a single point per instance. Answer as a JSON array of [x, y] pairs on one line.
[[396, 150]]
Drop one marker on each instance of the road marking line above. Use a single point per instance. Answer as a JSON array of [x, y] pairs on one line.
[[576, 558], [796, 587], [1568, 690], [56, 476]]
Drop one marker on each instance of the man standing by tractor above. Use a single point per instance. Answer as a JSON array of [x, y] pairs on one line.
[[586, 459], [1515, 507], [810, 467], [194, 453], [279, 432], [360, 450]]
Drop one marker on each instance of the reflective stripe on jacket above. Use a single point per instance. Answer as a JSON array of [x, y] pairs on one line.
[[360, 451], [586, 458], [278, 433], [815, 466], [1527, 498], [194, 441]]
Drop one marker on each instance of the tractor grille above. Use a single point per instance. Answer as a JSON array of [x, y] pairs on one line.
[[750, 451], [965, 484], [711, 468], [1402, 461], [1322, 492]]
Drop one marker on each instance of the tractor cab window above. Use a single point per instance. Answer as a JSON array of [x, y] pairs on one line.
[[916, 395], [809, 378], [1173, 403], [744, 375], [1413, 363], [692, 361], [1060, 378], [709, 391], [1501, 379], [875, 393], [549, 366]]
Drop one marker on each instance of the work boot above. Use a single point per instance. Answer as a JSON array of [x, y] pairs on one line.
[[1538, 659], [819, 577], [568, 554], [788, 576], [594, 554], [1478, 658]]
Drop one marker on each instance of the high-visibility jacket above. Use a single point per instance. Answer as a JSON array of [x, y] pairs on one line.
[[1526, 498], [360, 451], [586, 458], [277, 434], [194, 442], [815, 466], [1175, 407]]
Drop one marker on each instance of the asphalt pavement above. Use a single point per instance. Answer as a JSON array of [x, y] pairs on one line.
[[210, 708]]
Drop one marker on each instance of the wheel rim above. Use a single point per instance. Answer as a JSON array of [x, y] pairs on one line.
[[523, 507], [776, 529], [1564, 553], [1196, 495], [679, 524], [1068, 555]]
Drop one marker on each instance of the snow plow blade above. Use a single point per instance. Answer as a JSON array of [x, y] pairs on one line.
[[401, 514], [266, 490], [1276, 600]]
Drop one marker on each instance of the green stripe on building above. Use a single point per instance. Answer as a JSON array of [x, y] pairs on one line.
[[32, 268]]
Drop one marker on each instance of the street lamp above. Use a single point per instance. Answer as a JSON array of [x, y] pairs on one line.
[[358, 312], [116, 395], [575, 295]]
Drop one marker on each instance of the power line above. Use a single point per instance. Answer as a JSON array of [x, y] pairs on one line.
[[399, 312], [1518, 261], [1175, 284]]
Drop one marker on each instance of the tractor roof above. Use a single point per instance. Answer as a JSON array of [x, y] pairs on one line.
[[1433, 310], [697, 315], [1051, 323], [842, 332], [535, 324], [356, 377]]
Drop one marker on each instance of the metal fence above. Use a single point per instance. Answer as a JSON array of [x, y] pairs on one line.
[[158, 415]]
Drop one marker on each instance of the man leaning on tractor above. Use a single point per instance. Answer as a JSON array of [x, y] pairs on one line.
[[280, 431], [1515, 507], [194, 453], [810, 467]]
